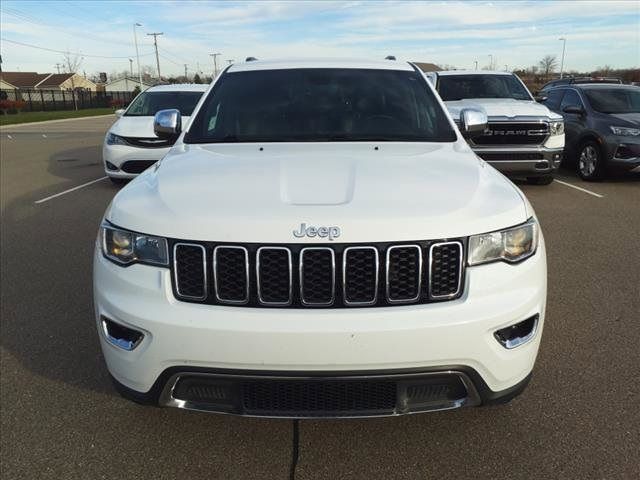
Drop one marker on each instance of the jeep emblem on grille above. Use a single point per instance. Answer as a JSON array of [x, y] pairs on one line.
[[322, 232]]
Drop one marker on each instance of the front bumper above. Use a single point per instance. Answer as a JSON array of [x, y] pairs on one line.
[[125, 161], [456, 336], [623, 153], [529, 161]]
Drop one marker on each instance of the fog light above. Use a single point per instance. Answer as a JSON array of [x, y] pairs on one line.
[[517, 334], [111, 166], [119, 335]]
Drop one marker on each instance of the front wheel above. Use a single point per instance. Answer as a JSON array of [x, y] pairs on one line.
[[590, 162], [541, 180]]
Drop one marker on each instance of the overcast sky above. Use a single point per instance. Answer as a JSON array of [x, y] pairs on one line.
[[457, 33]]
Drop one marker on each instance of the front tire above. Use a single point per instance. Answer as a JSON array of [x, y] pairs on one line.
[[591, 164], [542, 180]]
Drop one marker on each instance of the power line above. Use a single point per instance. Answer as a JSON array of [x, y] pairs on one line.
[[63, 51]]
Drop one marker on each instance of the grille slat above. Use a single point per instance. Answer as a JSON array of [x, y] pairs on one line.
[[265, 276], [274, 276], [404, 272], [445, 265], [317, 276], [231, 274], [190, 271], [360, 266]]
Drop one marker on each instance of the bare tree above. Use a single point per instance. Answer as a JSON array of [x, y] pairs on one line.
[[71, 64], [548, 65], [603, 71]]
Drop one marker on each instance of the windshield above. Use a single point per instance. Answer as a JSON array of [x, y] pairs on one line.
[[147, 104], [316, 105], [459, 87], [614, 100]]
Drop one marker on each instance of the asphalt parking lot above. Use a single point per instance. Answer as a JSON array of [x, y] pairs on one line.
[[60, 417]]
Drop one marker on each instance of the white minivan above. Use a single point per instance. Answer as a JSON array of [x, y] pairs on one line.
[[130, 146]]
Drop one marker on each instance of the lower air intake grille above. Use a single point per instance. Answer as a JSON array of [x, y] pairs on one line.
[[318, 398], [322, 276], [136, 166]]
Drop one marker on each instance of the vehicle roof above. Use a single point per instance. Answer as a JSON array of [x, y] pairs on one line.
[[445, 73], [592, 86], [320, 63], [179, 87]]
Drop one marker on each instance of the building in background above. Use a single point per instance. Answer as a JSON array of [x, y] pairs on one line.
[[46, 81], [427, 67], [124, 84]]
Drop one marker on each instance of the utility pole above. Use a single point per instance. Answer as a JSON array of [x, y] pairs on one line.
[[476, 62], [58, 67], [131, 66], [185, 71], [135, 40], [490, 61], [215, 63], [155, 44], [564, 44]]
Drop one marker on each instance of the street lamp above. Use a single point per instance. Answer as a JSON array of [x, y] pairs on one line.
[[135, 40], [564, 44]]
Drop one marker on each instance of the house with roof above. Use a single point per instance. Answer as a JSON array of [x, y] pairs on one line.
[[45, 81]]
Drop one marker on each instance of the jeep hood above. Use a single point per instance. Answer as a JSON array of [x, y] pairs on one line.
[[503, 108], [242, 193]]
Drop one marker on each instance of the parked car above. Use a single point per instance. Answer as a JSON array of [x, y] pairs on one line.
[[602, 126], [572, 80], [320, 241], [522, 139], [130, 146]]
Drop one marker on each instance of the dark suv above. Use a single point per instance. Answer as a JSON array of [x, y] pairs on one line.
[[602, 125]]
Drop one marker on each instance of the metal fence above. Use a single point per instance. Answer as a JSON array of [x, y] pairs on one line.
[[47, 100]]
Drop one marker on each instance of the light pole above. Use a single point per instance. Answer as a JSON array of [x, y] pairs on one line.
[[135, 40], [490, 61], [131, 66], [476, 62], [564, 44], [506, 69], [215, 63]]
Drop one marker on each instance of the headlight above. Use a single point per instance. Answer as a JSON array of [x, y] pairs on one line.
[[556, 128], [124, 247], [511, 245], [625, 131], [113, 139]]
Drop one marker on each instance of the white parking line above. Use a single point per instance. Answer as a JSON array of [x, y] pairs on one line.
[[46, 199], [579, 188]]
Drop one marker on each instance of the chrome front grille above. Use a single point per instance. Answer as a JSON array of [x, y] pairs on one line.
[[500, 134], [318, 276]]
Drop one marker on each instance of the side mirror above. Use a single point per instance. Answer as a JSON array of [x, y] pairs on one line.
[[119, 112], [167, 124], [472, 122], [575, 109], [540, 98]]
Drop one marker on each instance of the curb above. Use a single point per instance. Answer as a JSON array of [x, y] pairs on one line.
[[60, 120]]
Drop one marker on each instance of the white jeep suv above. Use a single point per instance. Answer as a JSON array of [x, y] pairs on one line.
[[320, 242], [130, 146]]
